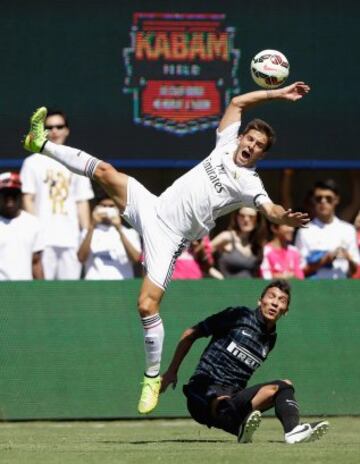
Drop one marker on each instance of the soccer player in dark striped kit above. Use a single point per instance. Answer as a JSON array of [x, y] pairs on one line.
[[217, 393]]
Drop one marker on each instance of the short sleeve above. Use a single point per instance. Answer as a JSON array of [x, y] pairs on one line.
[[83, 189], [255, 193], [28, 177], [228, 135], [219, 323]]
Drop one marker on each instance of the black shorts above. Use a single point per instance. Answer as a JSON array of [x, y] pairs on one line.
[[200, 392]]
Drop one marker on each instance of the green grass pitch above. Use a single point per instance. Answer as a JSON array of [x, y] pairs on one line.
[[170, 442]]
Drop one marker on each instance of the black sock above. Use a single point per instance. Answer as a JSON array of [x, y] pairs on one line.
[[286, 408]]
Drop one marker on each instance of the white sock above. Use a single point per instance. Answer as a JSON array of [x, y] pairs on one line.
[[153, 342], [75, 160]]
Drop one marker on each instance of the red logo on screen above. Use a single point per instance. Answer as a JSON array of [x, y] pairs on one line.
[[181, 70]]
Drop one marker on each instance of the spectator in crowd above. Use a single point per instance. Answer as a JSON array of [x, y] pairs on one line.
[[281, 259], [240, 248], [357, 227], [21, 238], [196, 261], [346, 213], [328, 245], [109, 250], [60, 200]]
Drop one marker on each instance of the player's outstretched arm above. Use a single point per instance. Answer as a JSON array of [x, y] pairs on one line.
[[240, 103], [278, 215], [184, 345]]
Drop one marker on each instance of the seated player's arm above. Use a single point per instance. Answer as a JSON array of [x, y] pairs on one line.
[[240, 103], [184, 345], [278, 215]]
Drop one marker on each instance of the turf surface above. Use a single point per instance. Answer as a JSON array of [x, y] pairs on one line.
[[170, 442]]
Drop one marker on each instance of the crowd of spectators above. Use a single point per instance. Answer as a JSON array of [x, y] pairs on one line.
[[47, 230], [43, 244]]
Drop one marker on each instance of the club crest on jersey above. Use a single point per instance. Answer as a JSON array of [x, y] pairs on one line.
[[244, 355], [181, 70]]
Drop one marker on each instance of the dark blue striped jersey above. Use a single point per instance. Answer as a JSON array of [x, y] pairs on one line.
[[240, 343]]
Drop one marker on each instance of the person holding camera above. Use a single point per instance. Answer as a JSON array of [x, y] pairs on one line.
[[328, 246], [109, 250]]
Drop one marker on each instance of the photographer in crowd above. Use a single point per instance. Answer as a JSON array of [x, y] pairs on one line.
[[109, 250]]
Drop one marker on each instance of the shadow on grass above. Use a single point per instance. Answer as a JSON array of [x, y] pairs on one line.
[[175, 440]]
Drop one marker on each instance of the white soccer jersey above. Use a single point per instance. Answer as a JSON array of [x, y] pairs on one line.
[[19, 239], [213, 188], [319, 238], [56, 192]]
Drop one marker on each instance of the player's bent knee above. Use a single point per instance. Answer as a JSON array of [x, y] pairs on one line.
[[289, 382], [284, 385], [148, 305], [269, 391]]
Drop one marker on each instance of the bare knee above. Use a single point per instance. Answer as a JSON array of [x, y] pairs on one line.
[[269, 391], [113, 182], [264, 397], [148, 304], [103, 172]]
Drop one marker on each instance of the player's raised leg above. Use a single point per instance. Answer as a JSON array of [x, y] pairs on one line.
[[148, 305], [77, 161]]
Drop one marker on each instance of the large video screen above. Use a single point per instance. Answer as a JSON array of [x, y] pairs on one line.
[[150, 85]]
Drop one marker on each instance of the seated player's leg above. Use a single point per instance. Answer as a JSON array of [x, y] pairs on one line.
[[241, 412], [77, 161], [238, 414], [148, 306], [318, 429], [280, 394], [247, 430]]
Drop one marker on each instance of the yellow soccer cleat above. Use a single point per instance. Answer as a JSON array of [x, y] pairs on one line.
[[37, 135], [150, 394]]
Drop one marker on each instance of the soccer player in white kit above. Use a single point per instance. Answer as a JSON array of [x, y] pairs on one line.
[[187, 210]]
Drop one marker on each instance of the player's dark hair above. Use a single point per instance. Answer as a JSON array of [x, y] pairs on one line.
[[265, 128], [328, 184], [57, 112], [282, 285]]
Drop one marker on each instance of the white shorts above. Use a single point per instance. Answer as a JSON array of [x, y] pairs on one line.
[[162, 246]]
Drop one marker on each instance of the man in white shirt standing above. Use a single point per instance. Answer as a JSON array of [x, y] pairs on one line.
[[187, 210], [328, 245], [59, 199], [21, 237]]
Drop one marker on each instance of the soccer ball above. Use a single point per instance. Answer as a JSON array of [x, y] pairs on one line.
[[269, 69]]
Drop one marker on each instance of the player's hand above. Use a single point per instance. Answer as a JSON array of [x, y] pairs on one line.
[[167, 379], [295, 91], [296, 219]]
